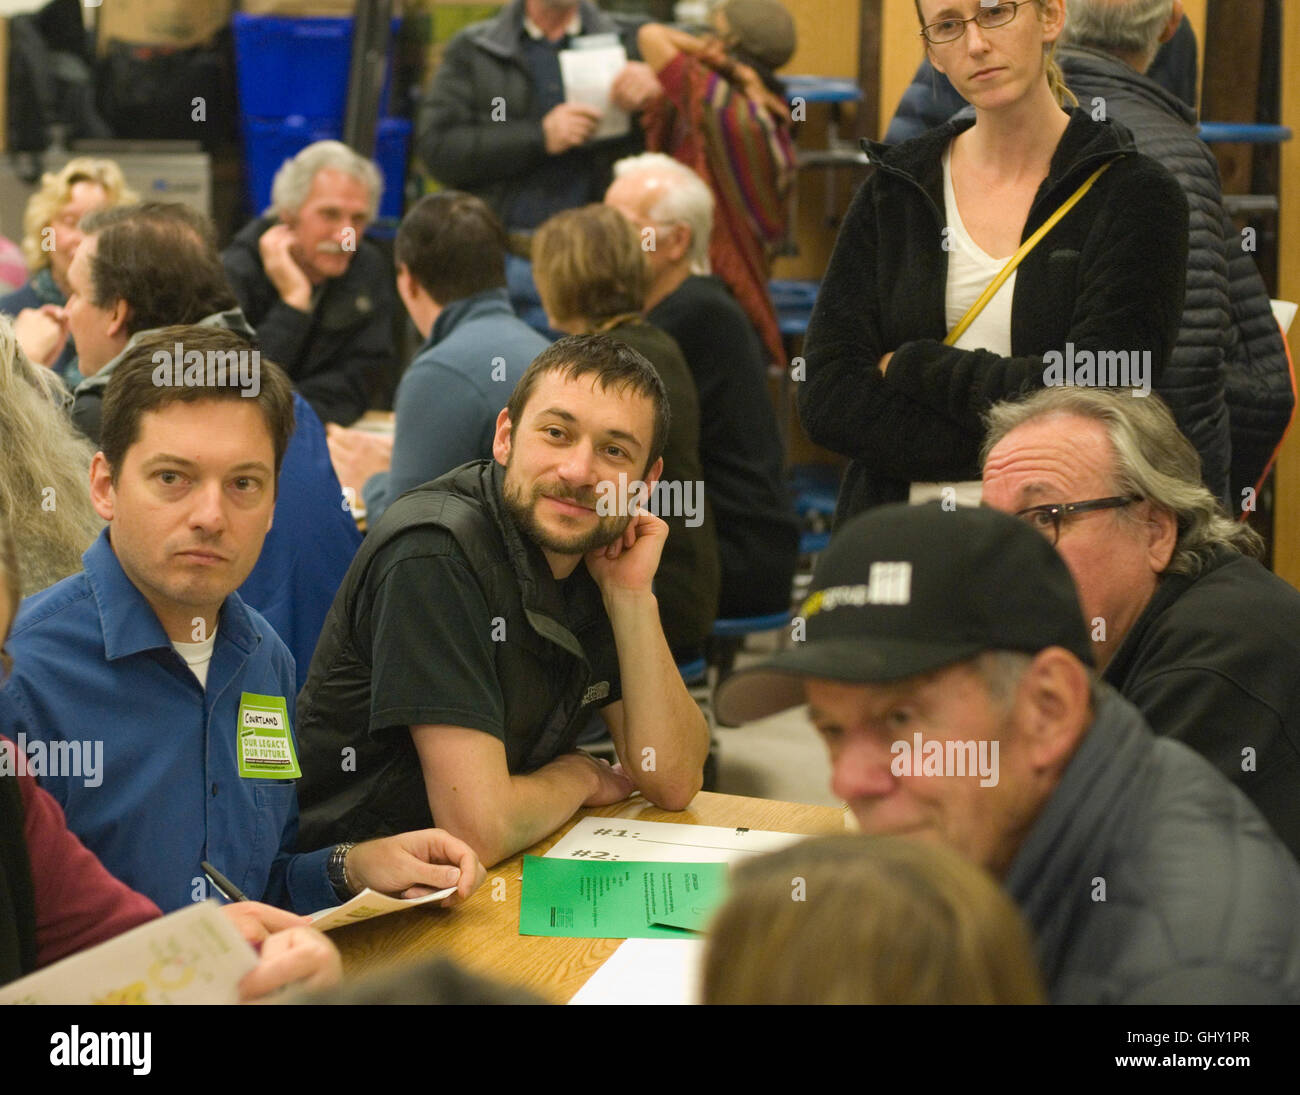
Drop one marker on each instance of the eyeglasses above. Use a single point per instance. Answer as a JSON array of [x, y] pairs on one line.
[[988, 17], [1048, 519]]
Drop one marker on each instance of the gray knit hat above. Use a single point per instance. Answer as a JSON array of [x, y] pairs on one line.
[[762, 28]]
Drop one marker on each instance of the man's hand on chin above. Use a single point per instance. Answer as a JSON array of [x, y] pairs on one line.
[[276, 248], [628, 565]]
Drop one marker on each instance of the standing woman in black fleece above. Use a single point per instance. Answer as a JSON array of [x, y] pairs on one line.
[[940, 216]]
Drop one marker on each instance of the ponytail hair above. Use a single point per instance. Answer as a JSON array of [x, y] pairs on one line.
[[1065, 98]]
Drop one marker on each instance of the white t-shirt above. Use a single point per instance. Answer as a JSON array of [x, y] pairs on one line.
[[970, 269], [197, 656]]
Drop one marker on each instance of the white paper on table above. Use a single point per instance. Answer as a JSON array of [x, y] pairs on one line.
[[612, 838], [1284, 311], [587, 73], [369, 903], [647, 971], [195, 955]]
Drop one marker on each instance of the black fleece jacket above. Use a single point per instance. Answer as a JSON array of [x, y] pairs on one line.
[[1109, 276]]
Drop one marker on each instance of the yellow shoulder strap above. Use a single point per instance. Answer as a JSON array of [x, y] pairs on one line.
[[993, 286]]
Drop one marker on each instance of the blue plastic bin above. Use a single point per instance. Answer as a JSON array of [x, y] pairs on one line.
[[289, 67], [268, 142]]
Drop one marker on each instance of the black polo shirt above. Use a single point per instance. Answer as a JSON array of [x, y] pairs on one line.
[[440, 621]]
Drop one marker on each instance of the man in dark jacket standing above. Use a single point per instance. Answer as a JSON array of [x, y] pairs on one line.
[[1184, 623], [1228, 382], [318, 293], [945, 662], [499, 123]]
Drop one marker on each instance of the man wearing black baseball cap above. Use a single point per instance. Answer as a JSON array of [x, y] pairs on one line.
[[945, 661]]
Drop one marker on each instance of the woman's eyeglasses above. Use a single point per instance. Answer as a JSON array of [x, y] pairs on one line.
[[988, 17]]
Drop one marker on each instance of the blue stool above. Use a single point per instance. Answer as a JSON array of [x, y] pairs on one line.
[[816, 488], [695, 672], [813, 543], [793, 301], [741, 626], [729, 637], [1244, 133], [815, 503], [793, 293], [822, 89]]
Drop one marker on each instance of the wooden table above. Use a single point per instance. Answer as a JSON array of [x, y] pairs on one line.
[[483, 933]]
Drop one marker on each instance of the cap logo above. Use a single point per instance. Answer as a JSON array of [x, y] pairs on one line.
[[887, 584]]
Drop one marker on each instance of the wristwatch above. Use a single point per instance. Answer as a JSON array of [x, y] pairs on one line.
[[336, 868]]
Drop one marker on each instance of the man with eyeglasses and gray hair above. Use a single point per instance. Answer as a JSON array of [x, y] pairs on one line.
[[318, 293], [1228, 382], [1184, 621]]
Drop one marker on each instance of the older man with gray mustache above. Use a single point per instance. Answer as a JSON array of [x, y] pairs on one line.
[[318, 293]]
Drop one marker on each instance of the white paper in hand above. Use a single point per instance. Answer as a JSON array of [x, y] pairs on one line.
[[588, 72], [368, 903]]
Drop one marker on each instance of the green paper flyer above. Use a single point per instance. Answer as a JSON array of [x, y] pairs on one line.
[[617, 900]]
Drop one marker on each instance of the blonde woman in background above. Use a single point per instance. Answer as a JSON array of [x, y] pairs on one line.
[[50, 239], [868, 920], [592, 277], [44, 470]]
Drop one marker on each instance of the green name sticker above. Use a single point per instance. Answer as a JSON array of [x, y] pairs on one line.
[[265, 745]]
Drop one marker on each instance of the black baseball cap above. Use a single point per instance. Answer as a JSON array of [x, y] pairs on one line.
[[903, 590]]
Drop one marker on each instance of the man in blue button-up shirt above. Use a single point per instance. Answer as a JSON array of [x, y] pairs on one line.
[[149, 699]]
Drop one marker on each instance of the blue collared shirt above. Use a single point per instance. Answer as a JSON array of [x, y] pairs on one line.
[[95, 676]]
